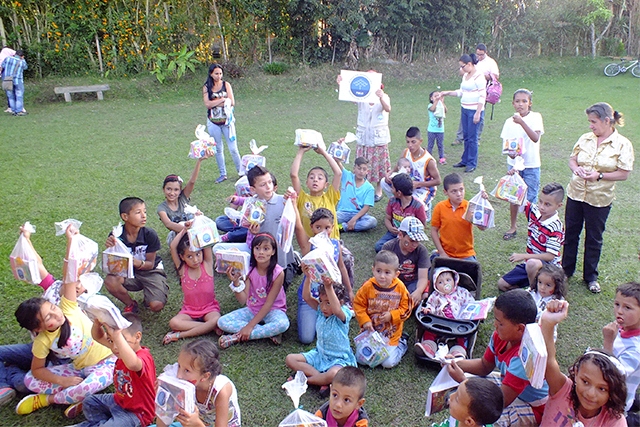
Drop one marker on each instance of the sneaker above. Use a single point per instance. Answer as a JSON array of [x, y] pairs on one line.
[[73, 410], [423, 350], [21, 113], [6, 395], [227, 341], [443, 161], [31, 403], [221, 178], [8, 110], [224, 238], [132, 308]]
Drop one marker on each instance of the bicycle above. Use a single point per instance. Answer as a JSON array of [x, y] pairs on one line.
[[616, 68]]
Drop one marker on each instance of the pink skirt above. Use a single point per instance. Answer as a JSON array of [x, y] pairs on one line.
[[379, 165]]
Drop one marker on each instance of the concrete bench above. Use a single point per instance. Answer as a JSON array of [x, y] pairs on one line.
[[68, 90]]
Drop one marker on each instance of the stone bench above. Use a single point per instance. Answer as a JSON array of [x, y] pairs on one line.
[[68, 90]]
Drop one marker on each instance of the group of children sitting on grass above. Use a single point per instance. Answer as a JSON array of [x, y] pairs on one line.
[[95, 355]]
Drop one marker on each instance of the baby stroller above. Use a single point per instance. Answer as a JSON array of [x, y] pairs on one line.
[[446, 329]]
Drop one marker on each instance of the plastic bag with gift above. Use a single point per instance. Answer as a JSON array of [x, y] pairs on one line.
[[242, 187], [253, 212], [320, 261], [173, 394], [248, 161], [117, 260], [371, 348], [512, 188], [308, 138], [299, 417], [340, 150], [82, 257], [202, 233], [440, 112], [513, 147], [24, 260], [286, 228], [205, 145], [479, 211]]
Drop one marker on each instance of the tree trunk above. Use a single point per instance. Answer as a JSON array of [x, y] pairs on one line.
[[99, 50], [3, 35], [224, 44]]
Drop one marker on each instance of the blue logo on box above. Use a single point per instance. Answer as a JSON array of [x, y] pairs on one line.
[[360, 87]]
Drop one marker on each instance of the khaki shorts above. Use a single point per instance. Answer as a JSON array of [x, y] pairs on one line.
[[152, 282]]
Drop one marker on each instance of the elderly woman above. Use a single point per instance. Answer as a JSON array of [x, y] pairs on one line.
[[215, 93], [599, 159], [472, 94]]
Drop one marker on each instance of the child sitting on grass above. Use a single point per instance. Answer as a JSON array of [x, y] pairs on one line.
[[383, 304], [200, 308], [344, 408], [134, 379], [333, 349], [445, 301], [424, 169], [622, 339], [513, 310], [356, 198], [476, 403], [544, 239], [593, 394]]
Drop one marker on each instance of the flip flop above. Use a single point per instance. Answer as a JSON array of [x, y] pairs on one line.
[[510, 236], [170, 337]]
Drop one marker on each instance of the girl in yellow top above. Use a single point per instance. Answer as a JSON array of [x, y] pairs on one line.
[[66, 331]]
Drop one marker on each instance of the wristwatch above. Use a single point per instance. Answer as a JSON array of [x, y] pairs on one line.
[[600, 176]]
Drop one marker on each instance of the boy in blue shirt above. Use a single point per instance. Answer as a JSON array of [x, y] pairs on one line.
[[356, 198]]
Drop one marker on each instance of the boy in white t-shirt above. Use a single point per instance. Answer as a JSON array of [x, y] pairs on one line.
[[526, 125]]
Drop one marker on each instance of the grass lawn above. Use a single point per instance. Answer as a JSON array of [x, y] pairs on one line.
[[78, 160]]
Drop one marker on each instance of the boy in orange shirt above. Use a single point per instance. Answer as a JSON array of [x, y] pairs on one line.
[[452, 234]]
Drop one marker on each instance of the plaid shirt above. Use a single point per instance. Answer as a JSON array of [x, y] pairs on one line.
[[14, 66]]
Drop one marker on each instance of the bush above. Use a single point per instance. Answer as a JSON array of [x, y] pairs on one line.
[[275, 68], [233, 70]]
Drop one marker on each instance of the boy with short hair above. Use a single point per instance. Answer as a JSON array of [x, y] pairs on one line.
[[143, 243], [356, 198], [452, 234], [545, 236], [622, 339], [134, 378], [383, 304], [346, 399], [424, 169], [317, 183], [476, 403], [402, 205], [513, 310]]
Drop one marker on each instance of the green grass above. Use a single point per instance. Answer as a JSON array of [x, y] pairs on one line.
[[78, 160]]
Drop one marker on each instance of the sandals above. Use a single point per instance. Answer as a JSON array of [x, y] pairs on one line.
[[277, 340], [170, 337], [594, 287], [510, 236]]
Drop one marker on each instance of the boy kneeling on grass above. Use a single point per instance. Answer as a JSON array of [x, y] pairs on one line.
[[523, 404], [344, 407]]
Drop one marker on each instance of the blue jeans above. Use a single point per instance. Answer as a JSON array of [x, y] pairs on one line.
[[306, 322], [235, 234], [470, 131], [16, 96], [364, 223], [216, 132], [384, 239], [15, 362], [460, 135], [102, 410]]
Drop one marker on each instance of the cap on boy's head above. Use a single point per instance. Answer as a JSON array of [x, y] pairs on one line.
[[361, 161], [486, 400], [452, 179], [129, 203], [413, 228], [631, 290], [518, 306], [554, 189], [402, 183], [413, 132], [350, 376], [136, 324], [387, 257], [254, 173]]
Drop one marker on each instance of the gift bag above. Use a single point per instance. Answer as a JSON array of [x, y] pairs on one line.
[[287, 226], [117, 260], [242, 187], [511, 188], [82, 258], [320, 260], [440, 110], [308, 138], [253, 212], [254, 159], [513, 147], [299, 418], [479, 211], [205, 145], [202, 233], [24, 260], [371, 348], [173, 394], [234, 258]]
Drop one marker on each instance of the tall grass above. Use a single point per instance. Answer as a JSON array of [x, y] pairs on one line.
[[78, 160]]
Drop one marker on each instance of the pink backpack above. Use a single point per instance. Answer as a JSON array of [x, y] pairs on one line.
[[494, 90]]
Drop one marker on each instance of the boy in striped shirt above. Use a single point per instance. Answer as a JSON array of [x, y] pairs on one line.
[[545, 236]]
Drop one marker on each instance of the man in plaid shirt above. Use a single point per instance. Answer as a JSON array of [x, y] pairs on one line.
[[14, 66]]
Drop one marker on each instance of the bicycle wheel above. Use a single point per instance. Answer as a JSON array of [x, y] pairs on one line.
[[636, 70], [612, 70]]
